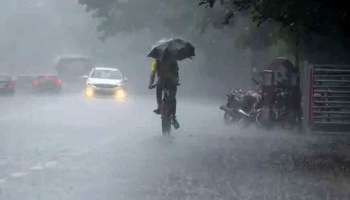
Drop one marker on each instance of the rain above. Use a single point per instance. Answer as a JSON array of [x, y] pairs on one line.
[[176, 99]]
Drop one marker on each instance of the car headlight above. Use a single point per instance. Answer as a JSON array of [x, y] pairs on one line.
[[89, 91], [120, 94]]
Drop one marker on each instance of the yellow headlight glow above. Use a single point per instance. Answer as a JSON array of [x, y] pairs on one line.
[[89, 92], [120, 94]]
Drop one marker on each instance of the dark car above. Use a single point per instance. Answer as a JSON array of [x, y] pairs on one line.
[[72, 68], [47, 83], [7, 84]]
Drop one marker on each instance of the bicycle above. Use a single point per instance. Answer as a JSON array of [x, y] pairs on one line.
[[166, 114]]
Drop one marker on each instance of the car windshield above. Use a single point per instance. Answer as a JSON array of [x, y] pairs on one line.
[[107, 74]]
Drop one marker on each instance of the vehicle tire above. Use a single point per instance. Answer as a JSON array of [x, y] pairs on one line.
[[229, 119], [166, 126], [243, 123]]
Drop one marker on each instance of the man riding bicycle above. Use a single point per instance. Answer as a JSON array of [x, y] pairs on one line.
[[167, 71], [166, 54]]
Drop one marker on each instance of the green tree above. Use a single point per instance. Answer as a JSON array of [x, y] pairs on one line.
[[117, 16], [306, 25]]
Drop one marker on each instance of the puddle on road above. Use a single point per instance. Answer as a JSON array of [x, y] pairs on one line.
[[19, 174]]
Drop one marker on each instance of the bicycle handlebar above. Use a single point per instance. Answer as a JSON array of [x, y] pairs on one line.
[[153, 86]]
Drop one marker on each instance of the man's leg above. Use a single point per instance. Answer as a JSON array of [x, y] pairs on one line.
[[172, 95], [159, 98]]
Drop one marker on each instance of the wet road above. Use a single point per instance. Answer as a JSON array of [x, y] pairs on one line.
[[65, 147]]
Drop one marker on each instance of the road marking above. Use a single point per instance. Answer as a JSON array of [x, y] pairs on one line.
[[72, 154], [51, 164], [37, 167], [19, 174]]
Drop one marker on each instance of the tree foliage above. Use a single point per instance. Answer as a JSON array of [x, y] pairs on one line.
[[307, 25], [300, 19], [321, 16], [133, 15]]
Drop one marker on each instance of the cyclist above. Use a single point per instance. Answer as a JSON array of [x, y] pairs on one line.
[[167, 72]]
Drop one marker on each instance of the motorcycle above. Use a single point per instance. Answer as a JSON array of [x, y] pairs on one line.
[[241, 107], [283, 114], [279, 112], [230, 109]]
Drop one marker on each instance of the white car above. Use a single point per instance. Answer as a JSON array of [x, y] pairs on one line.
[[103, 81]]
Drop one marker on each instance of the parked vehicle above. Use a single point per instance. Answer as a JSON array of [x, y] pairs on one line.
[[280, 112], [234, 99], [242, 106], [105, 81], [276, 101], [47, 83], [71, 68], [7, 84], [281, 97]]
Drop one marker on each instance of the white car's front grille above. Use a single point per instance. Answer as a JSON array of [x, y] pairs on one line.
[[105, 86]]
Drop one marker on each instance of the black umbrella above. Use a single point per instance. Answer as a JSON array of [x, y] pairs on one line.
[[176, 49]]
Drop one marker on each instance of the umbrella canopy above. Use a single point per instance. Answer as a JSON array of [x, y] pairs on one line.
[[176, 49]]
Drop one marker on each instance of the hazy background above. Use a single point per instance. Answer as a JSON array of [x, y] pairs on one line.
[[65, 146], [35, 32]]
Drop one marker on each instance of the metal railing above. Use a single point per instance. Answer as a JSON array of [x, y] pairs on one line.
[[329, 95]]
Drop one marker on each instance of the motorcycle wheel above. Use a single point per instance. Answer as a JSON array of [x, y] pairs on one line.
[[230, 119], [262, 119], [166, 126], [243, 123]]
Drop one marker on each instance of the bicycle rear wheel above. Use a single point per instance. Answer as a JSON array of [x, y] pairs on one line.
[[166, 125]]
